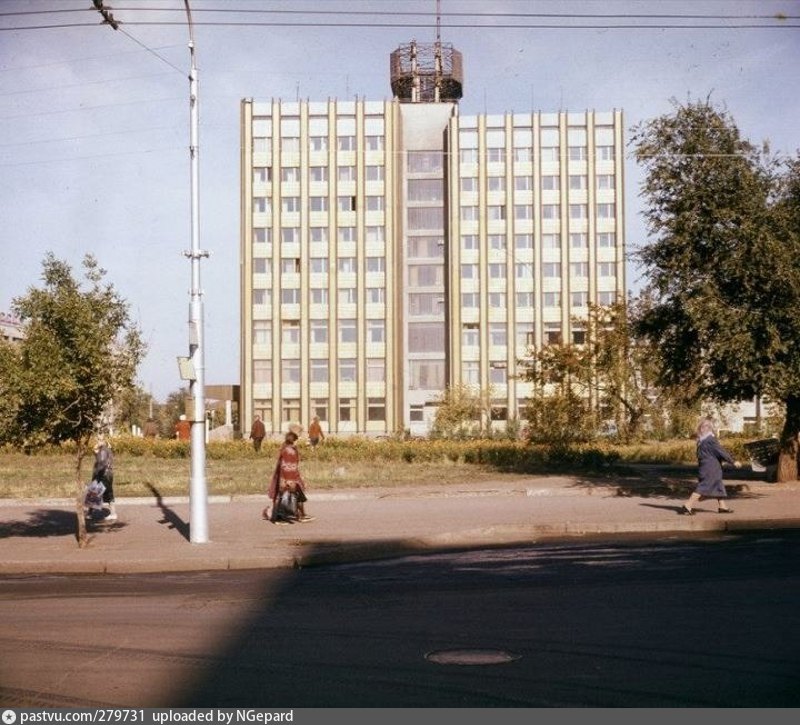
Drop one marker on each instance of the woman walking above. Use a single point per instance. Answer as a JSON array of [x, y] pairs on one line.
[[710, 457], [287, 490]]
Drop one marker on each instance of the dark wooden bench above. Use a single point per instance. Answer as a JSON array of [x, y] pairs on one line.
[[763, 453]]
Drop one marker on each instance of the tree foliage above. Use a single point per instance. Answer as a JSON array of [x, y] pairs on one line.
[[721, 263], [461, 413], [80, 351]]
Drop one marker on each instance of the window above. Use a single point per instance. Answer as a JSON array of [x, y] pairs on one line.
[[425, 336], [551, 269], [468, 156], [291, 410], [524, 300], [376, 409], [290, 175], [471, 372], [376, 264], [497, 271], [290, 332], [375, 203], [427, 374], [468, 184], [346, 203], [498, 335], [318, 265], [425, 162], [605, 211], [495, 155], [290, 296], [523, 241], [577, 153], [347, 370], [605, 181], [425, 303], [579, 337], [290, 265], [346, 173], [318, 234], [469, 300], [347, 265], [319, 370], [260, 204], [523, 211], [606, 239], [580, 299], [318, 143], [347, 410], [578, 211], [552, 299], [416, 413], [262, 371], [290, 203], [262, 174], [347, 331], [606, 299], [260, 296], [346, 143], [374, 143], [497, 241], [579, 269], [262, 332], [497, 300], [290, 370], [523, 155], [551, 211], [376, 331], [523, 270], [606, 269], [552, 333], [347, 296], [425, 189], [319, 407], [496, 183], [550, 182], [347, 234], [470, 335], [551, 241], [290, 235], [376, 295], [577, 182], [469, 271], [318, 203], [498, 372], [318, 331], [319, 296], [262, 235], [374, 173], [469, 213], [261, 265], [578, 240], [605, 153], [376, 370], [523, 183], [469, 241], [375, 234]]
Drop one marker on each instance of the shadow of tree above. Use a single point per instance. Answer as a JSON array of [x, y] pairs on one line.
[[52, 522]]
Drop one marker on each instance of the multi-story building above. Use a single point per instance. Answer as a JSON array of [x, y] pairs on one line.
[[10, 328], [390, 249]]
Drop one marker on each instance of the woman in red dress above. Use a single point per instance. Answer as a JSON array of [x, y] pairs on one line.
[[287, 490]]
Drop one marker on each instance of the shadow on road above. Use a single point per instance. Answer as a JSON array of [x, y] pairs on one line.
[[52, 522], [171, 519]]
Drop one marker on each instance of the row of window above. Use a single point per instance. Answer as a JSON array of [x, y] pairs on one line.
[[551, 240], [317, 174], [549, 182], [497, 155], [497, 212], [345, 409], [292, 145], [524, 270]]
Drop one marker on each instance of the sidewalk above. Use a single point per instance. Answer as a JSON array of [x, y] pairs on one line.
[[151, 535]]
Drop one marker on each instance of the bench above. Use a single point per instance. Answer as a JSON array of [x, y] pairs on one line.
[[763, 453]]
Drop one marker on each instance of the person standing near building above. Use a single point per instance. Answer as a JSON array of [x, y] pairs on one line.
[[287, 489], [710, 457], [257, 433], [315, 434], [103, 471], [183, 429]]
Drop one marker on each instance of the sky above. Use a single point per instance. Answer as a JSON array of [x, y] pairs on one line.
[[94, 122]]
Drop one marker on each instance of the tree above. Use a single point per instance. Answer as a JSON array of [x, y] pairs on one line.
[[721, 263], [460, 413], [80, 350]]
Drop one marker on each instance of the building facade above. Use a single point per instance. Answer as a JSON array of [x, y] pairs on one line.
[[390, 249]]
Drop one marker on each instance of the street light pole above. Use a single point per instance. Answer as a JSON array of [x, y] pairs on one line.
[[198, 493]]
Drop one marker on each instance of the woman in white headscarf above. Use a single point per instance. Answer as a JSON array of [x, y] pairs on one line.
[[710, 457]]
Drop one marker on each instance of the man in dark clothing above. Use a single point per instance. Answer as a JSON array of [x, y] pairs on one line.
[[103, 471], [257, 433]]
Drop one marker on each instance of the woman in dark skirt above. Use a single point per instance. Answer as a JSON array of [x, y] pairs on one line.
[[710, 457]]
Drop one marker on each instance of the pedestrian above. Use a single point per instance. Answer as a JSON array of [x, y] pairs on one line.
[[315, 434], [103, 471], [287, 490], [183, 429], [710, 457], [151, 428], [257, 433]]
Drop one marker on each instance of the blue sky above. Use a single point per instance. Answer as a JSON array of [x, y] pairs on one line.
[[94, 123]]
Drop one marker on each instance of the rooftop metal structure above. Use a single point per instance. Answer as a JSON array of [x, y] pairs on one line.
[[427, 73]]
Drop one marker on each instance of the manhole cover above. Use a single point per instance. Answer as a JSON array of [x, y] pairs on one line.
[[471, 656]]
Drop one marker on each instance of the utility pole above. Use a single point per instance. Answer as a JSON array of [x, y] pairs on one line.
[[193, 367], [198, 491]]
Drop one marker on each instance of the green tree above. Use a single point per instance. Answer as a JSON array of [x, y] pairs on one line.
[[721, 264], [461, 413], [80, 351]]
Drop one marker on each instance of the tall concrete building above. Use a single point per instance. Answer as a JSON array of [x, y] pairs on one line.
[[390, 249]]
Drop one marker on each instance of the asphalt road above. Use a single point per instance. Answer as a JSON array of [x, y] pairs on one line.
[[709, 623]]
